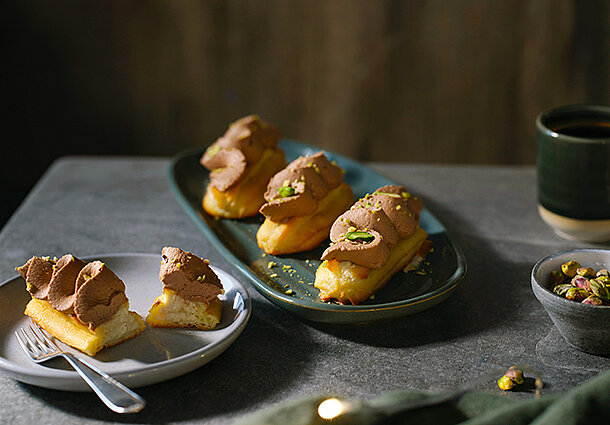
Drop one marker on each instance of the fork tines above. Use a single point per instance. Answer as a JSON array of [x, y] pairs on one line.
[[35, 343]]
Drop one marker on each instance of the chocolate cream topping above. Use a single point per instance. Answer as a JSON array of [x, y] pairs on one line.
[[188, 275], [297, 189], [242, 144], [37, 273], [63, 283], [99, 294], [92, 292], [366, 232]]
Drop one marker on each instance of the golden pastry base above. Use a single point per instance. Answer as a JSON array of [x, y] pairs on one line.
[[170, 310], [68, 329], [245, 198], [307, 232], [347, 282]]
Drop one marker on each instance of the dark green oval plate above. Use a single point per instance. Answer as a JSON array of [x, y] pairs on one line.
[[289, 284]]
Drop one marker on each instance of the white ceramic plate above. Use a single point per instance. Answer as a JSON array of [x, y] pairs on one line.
[[155, 355]]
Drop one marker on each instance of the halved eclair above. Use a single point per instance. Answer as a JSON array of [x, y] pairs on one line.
[[82, 305], [190, 292]]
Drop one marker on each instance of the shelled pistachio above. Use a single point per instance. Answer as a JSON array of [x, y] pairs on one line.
[[585, 284]]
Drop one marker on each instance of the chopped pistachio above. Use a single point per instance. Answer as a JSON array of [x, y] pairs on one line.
[[213, 150], [201, 278], [363, 236], [393, 195], [286, 191], [273, 275], [289, 292]]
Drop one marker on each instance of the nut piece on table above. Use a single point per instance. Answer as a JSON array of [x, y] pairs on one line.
[[512, 377]]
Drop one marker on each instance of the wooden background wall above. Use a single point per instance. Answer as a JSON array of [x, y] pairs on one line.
[[414, 80]]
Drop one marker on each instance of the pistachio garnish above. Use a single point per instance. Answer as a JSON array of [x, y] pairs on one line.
[[393, 195], [201, 278], [286, 191], [359, 235], [213, 150]]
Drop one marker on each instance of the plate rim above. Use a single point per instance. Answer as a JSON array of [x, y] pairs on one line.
[[66, 376], [329, 308]]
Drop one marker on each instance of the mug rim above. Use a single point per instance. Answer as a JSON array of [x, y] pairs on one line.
[[576, 107]]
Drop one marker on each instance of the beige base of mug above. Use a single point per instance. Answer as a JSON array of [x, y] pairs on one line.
[[574, 229]]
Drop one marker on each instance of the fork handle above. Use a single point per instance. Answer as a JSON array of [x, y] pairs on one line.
[[115, 395]]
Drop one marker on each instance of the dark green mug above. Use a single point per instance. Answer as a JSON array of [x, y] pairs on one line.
[[573, 163]]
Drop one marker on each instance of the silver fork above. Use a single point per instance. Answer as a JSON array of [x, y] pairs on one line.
[[115, 395]]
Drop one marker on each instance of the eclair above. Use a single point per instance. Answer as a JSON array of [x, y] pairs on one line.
[[241, 162], [376, 238], [82, 305], [190, 293], [303, 200]]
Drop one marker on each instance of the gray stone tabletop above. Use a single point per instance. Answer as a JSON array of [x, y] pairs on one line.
[[89, 206]]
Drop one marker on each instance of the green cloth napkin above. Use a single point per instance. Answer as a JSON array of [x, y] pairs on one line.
[[586, 403]]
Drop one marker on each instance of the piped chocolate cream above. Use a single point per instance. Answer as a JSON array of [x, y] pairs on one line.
[[297, 189], [62, 287], [242, 144], [37, 273], [188, 275], [91, 292], [99, 294], [366, 232]]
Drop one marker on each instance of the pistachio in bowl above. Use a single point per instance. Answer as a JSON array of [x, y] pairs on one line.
[[577, 304]]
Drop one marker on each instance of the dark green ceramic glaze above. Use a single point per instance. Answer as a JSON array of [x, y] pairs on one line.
[[289, 284], [573, 172]]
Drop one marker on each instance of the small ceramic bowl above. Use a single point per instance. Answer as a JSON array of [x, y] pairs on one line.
[[585, 327]]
